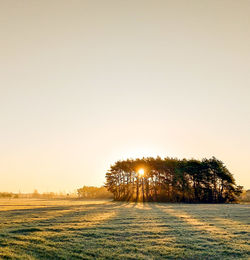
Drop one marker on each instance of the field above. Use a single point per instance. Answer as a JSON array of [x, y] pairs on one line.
[[73, 229]]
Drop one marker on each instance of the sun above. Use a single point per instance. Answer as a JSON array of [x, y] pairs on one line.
[[141, 172]]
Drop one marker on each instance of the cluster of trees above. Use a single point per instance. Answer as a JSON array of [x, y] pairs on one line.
[[172, 180], [8, 195], [47, 195], [90, 192]]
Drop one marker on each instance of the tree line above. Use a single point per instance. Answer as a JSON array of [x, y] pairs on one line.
[[172, 180], [8, 195], [90, 192]]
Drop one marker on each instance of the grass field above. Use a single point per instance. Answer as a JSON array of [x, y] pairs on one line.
[[71, 229]]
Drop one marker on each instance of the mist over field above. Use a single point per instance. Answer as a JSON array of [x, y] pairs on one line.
[[73, 229]]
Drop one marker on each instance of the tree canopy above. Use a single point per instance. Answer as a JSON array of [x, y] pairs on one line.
[[172, 180]]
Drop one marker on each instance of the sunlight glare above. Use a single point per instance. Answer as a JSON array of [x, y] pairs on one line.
[[141, 172]]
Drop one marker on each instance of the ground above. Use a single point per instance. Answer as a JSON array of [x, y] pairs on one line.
[[74, 229]]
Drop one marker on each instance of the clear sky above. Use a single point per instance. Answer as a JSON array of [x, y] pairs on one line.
[[85, 83]]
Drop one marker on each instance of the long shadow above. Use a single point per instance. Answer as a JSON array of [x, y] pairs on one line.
[[63, 217], [37, 239], [226, 212], [205, 237], [45, 209], [138, 229]]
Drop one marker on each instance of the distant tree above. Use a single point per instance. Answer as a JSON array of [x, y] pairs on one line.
[[245, 195], [7, 195], [35, 194], [90, 192]]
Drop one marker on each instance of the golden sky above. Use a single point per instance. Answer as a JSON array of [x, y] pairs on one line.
[[85, 83]]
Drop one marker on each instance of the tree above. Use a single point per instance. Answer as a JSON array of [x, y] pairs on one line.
[[172, 180]]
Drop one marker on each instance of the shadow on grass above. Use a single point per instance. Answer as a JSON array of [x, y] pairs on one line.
[[195, 233]]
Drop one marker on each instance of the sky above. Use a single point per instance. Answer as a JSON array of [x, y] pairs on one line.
[[86, 83]]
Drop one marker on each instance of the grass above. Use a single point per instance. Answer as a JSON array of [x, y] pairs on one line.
[[71, 229]]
